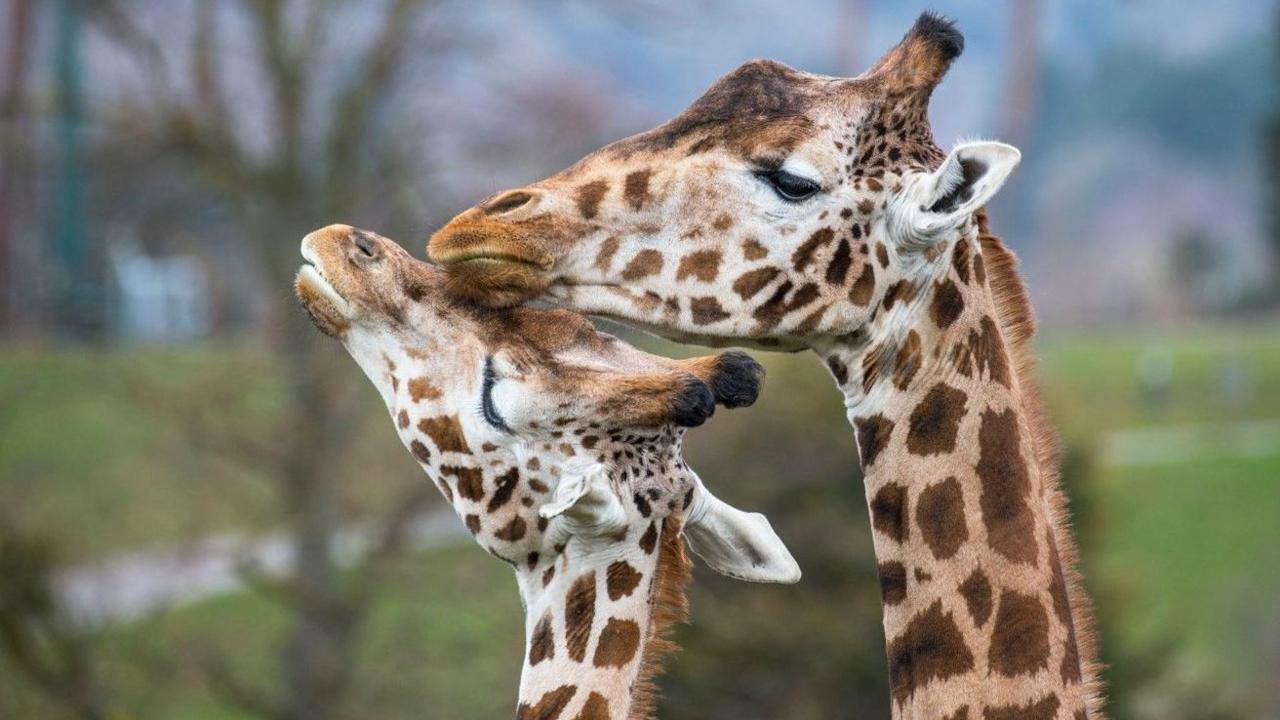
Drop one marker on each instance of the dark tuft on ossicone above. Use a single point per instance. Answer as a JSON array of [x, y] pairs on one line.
[[940, 32]]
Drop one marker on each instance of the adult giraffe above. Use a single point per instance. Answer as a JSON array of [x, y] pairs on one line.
[[787, 210]]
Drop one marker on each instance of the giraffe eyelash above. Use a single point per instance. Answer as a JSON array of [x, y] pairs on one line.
[[487, 409]]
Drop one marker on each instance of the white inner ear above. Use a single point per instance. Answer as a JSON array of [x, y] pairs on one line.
[[738, 544], [969, 177]]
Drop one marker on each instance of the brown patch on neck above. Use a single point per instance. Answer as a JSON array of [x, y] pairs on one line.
[[668, 606], [1017, 324]]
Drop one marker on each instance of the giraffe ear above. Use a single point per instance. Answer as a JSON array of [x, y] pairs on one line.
[[585, 503], [966, 180], [738, 544]]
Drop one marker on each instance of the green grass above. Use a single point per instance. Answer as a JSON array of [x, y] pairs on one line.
[[445, 639], [115, 451], [1226, 374], [1190, 552]]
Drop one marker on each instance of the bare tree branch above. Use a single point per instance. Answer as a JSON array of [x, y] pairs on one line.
[[358, 100]]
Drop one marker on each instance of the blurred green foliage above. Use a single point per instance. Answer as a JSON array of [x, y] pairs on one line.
[[1179, 552]]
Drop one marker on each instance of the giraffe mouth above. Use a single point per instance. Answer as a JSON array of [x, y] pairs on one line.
[[480, 259], [329, 311], [494, 278]]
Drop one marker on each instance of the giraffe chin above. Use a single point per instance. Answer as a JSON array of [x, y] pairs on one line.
[[321, 301]]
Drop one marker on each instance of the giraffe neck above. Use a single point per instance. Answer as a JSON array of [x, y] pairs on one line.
[[596, 626], [982, 616]]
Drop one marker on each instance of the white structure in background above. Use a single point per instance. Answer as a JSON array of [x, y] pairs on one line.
[[157, 299]]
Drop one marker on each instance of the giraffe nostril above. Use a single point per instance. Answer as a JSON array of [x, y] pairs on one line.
[[365, 243], [507, 202]]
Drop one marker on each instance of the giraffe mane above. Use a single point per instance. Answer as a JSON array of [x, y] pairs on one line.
[[1017, 323], [670, 608]]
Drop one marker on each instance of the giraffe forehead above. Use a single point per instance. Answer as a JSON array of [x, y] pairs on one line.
[[760, 103]]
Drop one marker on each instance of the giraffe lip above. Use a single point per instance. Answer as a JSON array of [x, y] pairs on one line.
[[482, 258]]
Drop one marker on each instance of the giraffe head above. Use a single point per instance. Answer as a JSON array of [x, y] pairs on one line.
[[557, 445], [780, 206]]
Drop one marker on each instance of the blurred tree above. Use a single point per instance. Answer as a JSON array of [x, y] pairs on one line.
[[327, 159], [852, 18], [37, 639], [1018, 122], [1271, 161], [13, 145], [1194, 261]]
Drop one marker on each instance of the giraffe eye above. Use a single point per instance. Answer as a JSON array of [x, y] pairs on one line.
[[791, 188]]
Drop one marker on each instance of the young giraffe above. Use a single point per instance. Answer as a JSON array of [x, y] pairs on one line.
[[560, 449], [787, 211]]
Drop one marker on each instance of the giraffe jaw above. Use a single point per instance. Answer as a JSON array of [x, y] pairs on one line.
[[329, 311]]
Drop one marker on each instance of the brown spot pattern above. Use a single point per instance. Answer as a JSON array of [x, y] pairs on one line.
[[420, 451], [908, 361], [893, 582], [1019, 635], [839, 370], [873, 435], [751, 282], [838, 268], [505, 485], [621, 579], [513, 530], [589, 197], [1005, 486], [421, 389], [445, 432], [618, 643], [1046, 709], [649, 540], [579, 613], [703, 265], [935, 421], [803, 255], [900, 291], [976, 591], [645, 263], [402, 419], [753, 250], [595, 708], [940, 516], [946, 305], [860, 292], [930, 648], [608, 249], [706, 310], [987, 350], [542, 643], [549, 706], [635, 189], [470, 482], [889, 511]]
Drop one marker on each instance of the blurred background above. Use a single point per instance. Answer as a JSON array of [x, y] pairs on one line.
[[204, 512]]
